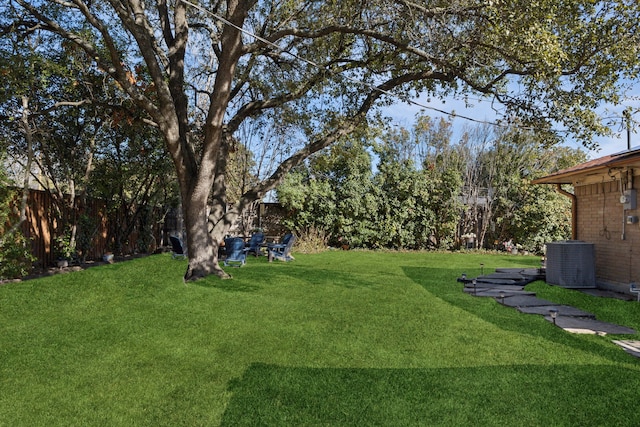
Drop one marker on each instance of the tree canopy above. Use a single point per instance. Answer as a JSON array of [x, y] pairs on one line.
[[316, 71]]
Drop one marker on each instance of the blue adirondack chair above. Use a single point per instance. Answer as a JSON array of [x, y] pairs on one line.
[[256, 241], [282, 250], [234, 247], [176, 247]]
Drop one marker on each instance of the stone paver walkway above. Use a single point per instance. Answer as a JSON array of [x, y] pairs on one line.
[[506, 286]]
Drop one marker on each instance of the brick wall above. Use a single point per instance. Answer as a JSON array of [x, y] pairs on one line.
[[600, 221]]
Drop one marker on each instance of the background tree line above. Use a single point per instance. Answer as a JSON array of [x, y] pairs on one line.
[[417, 188]]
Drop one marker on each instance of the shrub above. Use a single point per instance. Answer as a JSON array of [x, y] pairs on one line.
[[15, 256], [311, 240]]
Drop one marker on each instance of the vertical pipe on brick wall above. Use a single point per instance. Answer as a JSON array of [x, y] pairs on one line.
[[574, 210], [628, 186]]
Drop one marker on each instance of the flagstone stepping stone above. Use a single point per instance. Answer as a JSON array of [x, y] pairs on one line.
[[523, 301], [585, 325], [563, 310], [526, 273], [498, 288], [496, 281], [506, 275], [507, 294], [509, 270], [630, 346], [471, 290], [532, 272]]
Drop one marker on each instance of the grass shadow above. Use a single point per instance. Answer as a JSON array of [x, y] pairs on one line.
[[228, 286], [507, 318], [328, 276], [225, 285], [486, 395]]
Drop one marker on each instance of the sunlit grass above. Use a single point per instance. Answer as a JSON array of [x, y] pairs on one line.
[[338, 338]]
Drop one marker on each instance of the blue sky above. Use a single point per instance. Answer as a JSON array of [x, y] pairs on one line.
[[403, 114]]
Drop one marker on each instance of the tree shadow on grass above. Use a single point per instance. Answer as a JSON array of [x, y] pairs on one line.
[[225, 285], [327, 276], [485, 395], [506, 318], [231, 286]]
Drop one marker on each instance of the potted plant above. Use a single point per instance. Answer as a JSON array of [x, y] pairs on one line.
[[65, 249]]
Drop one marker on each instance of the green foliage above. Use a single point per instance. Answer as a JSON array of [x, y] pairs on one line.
[[428, 191], [551, 63], [542, 217], [404, 217], [443, 168], [311, 200], [15, 251], [16, 259], [402, 205], [65, 245], [333, 195], [531, 215], [87, 139], [145, 229]]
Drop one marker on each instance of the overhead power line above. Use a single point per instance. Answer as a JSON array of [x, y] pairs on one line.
[[352, 79], [318, 66]]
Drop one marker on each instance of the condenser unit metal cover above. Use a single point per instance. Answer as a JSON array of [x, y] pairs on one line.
[[571, 264]]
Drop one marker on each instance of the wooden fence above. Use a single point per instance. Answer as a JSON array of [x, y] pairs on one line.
[[269, 218], [40, 227]]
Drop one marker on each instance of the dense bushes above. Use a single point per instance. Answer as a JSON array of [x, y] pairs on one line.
[[15, 254], [418, 190]]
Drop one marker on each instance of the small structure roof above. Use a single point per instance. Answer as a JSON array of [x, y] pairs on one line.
[[593, 170]]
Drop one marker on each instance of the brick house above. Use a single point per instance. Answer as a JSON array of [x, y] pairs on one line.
[[605, 213]]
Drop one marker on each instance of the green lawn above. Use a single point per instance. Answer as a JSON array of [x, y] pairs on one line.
[[339, 338]]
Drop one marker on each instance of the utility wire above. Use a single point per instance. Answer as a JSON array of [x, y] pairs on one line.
[[318, 66], [352, 79]]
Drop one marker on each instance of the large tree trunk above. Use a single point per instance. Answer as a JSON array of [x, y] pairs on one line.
[[202, 248]]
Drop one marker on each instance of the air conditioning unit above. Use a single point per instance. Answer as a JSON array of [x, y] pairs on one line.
[[571, 264]]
